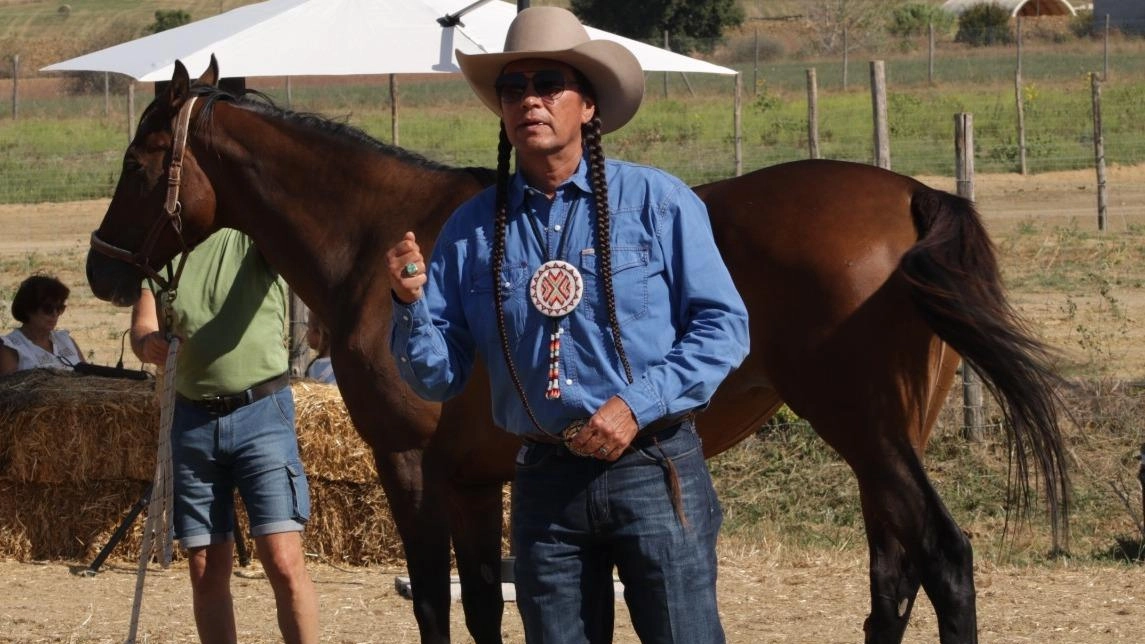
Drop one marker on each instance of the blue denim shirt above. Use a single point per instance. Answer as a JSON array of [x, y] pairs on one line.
[[684, 326]]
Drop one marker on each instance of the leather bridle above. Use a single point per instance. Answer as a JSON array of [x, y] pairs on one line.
[[172, 215]]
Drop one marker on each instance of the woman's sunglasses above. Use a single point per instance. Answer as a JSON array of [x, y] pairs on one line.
[[549, 84], [54, 309]]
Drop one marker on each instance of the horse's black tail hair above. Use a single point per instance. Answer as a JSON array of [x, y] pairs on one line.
[[956, 286]]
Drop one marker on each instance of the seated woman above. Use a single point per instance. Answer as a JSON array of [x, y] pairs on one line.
[[318, 337], [38, 304]]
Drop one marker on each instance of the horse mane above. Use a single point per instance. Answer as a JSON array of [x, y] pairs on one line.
[[256, 101]]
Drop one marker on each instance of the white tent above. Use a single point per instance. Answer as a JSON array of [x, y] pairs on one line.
[[1017, 7], [338, 37]]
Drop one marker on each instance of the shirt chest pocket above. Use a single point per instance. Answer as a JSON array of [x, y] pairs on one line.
[[479, 300], [630, 266]]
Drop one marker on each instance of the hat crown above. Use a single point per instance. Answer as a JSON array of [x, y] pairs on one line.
[[553, 33], [545, 29]]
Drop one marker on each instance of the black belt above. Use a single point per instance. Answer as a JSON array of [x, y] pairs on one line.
[[651, 429], [224, 404]]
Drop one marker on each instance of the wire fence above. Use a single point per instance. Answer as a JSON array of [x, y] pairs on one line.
[[63, 145]]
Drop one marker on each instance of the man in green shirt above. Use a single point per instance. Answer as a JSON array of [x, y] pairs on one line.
[[233, 427]]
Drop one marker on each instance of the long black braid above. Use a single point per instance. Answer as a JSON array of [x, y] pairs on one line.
[[591, 133], [500, 222]]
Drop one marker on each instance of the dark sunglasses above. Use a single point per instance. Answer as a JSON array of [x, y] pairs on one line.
[[54, 309], [549, 84]]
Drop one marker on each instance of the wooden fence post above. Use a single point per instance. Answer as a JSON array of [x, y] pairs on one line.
[[1105, 74], [1099, 155], [289, 93], [1021, 104], [15, 87], [394, 108], [972, 409], [1018, 35], [930, 55], [845, 56], [737, 124], [879, 104], [812, 114], [299, 349], [131, 111], [755, 65]]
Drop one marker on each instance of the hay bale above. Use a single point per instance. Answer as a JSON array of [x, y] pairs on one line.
[[76, 452], [330, 447], [62, 427], [66, 521]]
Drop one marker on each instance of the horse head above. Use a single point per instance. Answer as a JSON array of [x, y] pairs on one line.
[[163, 203]]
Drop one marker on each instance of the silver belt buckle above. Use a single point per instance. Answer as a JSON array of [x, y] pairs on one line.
[[570, 432]]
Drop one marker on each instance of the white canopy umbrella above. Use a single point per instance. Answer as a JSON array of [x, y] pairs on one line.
[[339, 37]]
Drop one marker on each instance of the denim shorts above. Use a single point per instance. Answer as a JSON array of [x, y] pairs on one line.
[[253, 449]]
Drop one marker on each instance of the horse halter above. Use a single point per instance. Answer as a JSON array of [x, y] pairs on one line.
[[172, 209]]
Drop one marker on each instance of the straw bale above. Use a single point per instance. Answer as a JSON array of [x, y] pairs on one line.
[[63, 427], [68, 521], [76, 453], [349, 523], [330, 447]]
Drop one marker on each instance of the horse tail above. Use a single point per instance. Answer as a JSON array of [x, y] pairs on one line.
[[953, 274]]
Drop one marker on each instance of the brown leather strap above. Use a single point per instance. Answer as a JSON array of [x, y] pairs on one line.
[[651, 429], [224, 404]]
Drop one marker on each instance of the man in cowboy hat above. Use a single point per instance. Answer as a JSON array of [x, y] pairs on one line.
[[595, 295]]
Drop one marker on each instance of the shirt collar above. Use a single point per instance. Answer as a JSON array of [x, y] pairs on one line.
[[517, 185]]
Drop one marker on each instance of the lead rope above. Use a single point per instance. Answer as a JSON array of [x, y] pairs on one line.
[[157, 531]]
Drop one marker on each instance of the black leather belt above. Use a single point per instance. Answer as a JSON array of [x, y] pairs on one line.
[[227, 403], [653, 428]]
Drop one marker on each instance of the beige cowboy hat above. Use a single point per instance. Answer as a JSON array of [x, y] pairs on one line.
[[553, 33]]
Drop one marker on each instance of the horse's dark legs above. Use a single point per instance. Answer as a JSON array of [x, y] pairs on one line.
[[419, 514], [914, 539], [475, 514], [894, 584]]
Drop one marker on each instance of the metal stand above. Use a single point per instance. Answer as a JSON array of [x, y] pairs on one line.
[[121, 531], [117, 536]]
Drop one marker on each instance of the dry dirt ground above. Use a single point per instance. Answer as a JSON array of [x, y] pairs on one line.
[[767, 594], [808, 601]]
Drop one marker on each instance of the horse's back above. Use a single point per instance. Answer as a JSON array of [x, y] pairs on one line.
[[814, 248]]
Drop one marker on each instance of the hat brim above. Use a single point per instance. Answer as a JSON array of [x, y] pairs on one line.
[[615, 74]]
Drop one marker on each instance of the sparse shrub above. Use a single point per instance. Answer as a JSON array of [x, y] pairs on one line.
[[64, 11], [743, 49], [1082, 24], [80, 83], [165, 20], [914, 19], [984, 24]]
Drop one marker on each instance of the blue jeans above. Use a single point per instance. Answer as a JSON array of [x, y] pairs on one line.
[[575, 518], [255, 449]]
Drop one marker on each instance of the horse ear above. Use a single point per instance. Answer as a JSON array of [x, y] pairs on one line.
[[180, 86], [211, 75]]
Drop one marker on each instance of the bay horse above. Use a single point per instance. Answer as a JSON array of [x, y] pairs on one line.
[[865, 289]]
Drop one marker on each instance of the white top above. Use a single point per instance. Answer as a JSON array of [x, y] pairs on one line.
[[321, 370], [64, 352]]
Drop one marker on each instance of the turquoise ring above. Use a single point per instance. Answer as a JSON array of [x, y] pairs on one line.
[[410, 270]]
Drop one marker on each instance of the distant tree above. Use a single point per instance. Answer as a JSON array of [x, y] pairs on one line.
[[984, 24], [863, 21], [165, 20], [692, 25]]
